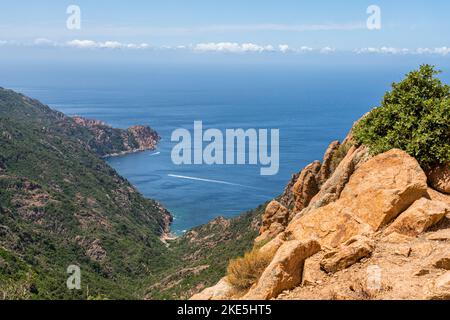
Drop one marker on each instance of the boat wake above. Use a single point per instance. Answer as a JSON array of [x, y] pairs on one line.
[[211, 181]]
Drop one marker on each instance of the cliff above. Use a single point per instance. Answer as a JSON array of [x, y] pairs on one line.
[[373, 230], [108, 141], [370, 221]]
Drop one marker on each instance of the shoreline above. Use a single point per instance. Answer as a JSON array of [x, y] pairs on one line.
[[124, 153]]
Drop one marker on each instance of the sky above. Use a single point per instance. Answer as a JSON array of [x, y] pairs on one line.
[[180, 28]]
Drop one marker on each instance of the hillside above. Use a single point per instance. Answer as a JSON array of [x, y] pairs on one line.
[[200, 257], [106, 141], [61, 204]]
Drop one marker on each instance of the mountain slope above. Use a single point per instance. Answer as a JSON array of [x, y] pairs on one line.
[[60, 204]]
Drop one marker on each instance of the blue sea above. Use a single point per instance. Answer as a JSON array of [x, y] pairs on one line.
[[311, 106]]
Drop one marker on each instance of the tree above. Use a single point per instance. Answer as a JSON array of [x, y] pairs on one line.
[[413, 117]]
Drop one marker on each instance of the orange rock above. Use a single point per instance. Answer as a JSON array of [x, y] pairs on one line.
[[274, 221], [332, 188], [348, 254], [383, 187], [330, 225], [285, 270], [439, 178], [438, 289], [378, 191], [419, 217], [221, 291], [306, 186]]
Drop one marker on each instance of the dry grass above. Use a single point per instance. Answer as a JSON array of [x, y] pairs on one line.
[[243, 272], [340, 154]]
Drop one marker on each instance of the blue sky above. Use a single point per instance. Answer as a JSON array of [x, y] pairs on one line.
[[231, 26]]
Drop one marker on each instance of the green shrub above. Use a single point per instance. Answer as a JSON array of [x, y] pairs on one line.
[[413, 117]]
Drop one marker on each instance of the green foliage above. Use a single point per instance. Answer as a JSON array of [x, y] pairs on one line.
[[413, 117], [199, 259], [57, 197]]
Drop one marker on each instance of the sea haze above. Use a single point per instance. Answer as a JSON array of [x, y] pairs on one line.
[[310, 105]]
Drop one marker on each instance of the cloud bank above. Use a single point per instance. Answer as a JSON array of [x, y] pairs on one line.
[[225, 47]]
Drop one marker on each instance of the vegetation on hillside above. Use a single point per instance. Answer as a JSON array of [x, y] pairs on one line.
[[199, 259], [414, 117], [60, 204], [244, 272]]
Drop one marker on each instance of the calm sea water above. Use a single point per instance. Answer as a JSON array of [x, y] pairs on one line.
[[310, 106]]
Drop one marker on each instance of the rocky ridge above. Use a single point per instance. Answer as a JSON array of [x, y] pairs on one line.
[[355, 227], [108, 141]]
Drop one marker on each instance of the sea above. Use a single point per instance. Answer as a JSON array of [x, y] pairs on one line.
[[310, 105]]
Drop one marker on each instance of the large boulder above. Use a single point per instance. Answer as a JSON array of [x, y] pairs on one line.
[[377, 192], [274, 221], [435, 195], [383, 187], [419, 217], [307, 186], [331, 225], [439, 178], [327, 167], [348, 254], [331, 189], [285, 270], [438, 289], [221, 291]]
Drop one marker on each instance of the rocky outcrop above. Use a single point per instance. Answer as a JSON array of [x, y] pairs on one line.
[[93, 248], [146, 138], [327, 167], [332, 188], [374, 230], [274, 221], [439, 178], [383, 187], [373, 197], [220, 291], [319, 183], [287, 197], [348, 254], [307, 186], [438, 289], [419, 217], [285, 270], [108, 141]]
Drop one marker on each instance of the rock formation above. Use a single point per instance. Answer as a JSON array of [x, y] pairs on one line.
[[367, 228], [107, 141], [439, 178]]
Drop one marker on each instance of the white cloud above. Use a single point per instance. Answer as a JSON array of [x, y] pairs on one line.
[[44, 42], [403, 51], [306, 49], [443, 51], [327, 50], [383, 50], [224, 47], [232, 47], [82, 44], [284, 48], [90, 44]]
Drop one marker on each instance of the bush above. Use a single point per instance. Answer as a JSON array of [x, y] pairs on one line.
[[243, 272], [413, 117], [340, 154]]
